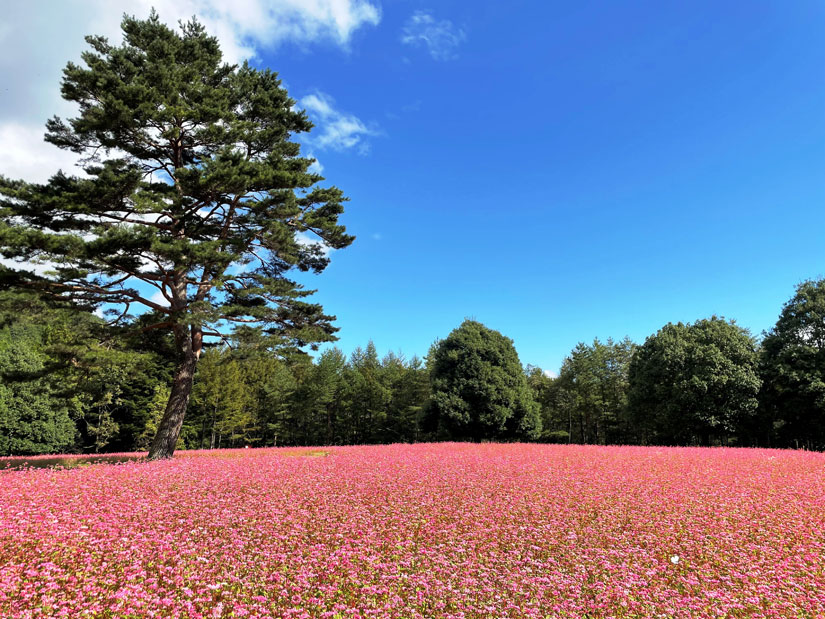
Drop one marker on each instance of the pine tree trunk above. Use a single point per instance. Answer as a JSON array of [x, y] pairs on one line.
[[189, 347], [163, 446]]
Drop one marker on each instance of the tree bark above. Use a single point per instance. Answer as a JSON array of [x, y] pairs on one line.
[[189, 347], [163, 446]]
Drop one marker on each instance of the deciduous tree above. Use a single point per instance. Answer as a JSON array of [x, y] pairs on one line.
[[694, 383], [479, 388], [793, 369]]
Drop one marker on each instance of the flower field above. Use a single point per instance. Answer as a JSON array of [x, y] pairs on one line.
[[449, 530]]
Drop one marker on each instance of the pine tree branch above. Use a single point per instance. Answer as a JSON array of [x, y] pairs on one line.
[[104, 290]]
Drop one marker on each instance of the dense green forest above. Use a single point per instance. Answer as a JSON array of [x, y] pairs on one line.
[[69, 385]]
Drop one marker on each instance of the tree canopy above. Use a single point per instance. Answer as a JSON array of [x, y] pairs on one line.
[[195, 203], [479, 387], [793, 369], [588, 401], [690, 383]]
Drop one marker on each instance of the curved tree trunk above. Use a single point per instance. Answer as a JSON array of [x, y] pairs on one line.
[[163, 445]]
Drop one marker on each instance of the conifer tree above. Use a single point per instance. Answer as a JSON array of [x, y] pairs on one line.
[[196, 203]]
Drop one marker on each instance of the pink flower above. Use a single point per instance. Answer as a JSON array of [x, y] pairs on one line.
[[443, 531]]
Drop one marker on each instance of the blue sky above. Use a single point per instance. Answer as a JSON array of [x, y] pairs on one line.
[[558, 171]]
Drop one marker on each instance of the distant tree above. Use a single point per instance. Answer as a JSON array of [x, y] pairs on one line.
[[105, 381], [33, 417], [479, 387], [793, 370], [367, 395], [694, 383], [222, 399], [194, 192], [320, 398], [114, 385], [153, 414], [409, 387], [555, 409], [270, 383], [594, 378]]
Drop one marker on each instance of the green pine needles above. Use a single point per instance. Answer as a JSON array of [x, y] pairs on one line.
[[196, 204]]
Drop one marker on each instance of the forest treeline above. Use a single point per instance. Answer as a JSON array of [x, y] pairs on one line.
[[69, 385]]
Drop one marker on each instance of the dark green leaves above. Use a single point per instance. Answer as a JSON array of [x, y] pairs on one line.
[[693, 383], [479, 389], [793, 368]]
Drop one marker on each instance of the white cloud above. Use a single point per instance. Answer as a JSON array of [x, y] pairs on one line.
[[441, 38], [30, 71], [302, 238], [38, 268], [24, 154], [244, 26], [315, 167], [551, 374], [336, 130], [157, 297]]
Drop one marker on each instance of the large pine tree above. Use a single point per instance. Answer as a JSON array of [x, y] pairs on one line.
[[195, 204]]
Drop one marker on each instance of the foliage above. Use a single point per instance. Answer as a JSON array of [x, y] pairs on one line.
[[33, 418], [408, 384], [318, 398], [102, 385], [367, 395], [694, 383], [223, 397], [154, 413], [587, 403], [270, 384], [69, 385], [479, 388], [193, 191], [793, 370], [115, 385], [243, 397]]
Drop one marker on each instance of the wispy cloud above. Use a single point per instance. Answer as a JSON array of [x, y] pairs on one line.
[[315, 167], [414, 106], [335, 130], [157, 297], [441, 38]]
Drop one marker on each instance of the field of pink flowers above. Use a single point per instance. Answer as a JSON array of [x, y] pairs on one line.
[[448, 530]]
